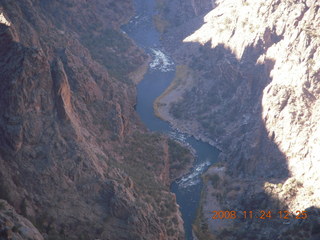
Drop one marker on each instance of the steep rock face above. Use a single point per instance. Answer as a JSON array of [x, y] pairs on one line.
[[248, 83], [187, 9], [14, 226], [74, 158]]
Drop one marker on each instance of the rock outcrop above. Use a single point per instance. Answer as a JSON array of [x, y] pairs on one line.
[[14, 226], [248, 83], [74, 158]]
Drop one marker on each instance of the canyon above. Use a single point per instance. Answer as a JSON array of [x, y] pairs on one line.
[[76, 161], [247, 82]]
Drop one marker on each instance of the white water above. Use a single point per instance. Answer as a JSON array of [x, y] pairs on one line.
[[160, 74], [138, 20], [178, 136], [194, 177], [161, 61]]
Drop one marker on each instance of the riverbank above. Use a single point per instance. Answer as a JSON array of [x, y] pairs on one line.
[[248, 69], [137, 75], [155, 81], [162, 106]]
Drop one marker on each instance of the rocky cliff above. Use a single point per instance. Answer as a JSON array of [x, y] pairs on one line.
[[248, 82], [14, 226], [74, 158]]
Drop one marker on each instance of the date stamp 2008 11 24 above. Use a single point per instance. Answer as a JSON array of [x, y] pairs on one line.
[[261, 214]]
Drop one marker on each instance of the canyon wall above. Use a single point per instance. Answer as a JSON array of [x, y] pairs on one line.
[[74, 158], [248, 83]]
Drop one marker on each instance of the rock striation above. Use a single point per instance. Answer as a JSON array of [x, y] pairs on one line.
[[248, 83], [14, 226]]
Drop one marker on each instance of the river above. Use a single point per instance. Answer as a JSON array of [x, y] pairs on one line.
[[160, 74]]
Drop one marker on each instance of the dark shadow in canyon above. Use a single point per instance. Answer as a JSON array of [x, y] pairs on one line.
[[229, 92], [227, 101], [235, 91], [184, 22]]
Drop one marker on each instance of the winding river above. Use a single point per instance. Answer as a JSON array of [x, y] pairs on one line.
[[160, 73]]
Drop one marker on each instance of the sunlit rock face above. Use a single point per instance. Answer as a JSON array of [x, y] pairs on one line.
[[286, 34], [248, 82], [3, 20]]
